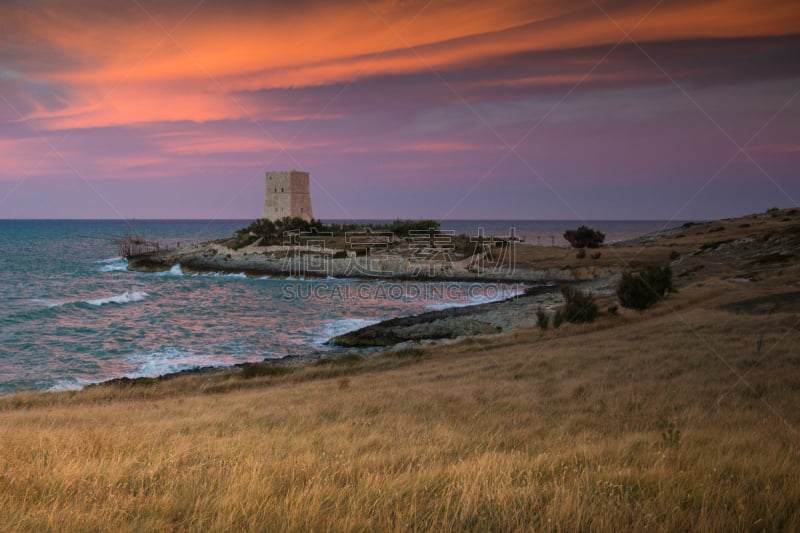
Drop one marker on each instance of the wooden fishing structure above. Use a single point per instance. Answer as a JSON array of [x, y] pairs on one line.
[[132, 244]]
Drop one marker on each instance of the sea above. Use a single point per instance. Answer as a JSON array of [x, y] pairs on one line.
[[71, 314]]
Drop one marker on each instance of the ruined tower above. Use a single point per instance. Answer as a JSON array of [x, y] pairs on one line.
[[288, 195]]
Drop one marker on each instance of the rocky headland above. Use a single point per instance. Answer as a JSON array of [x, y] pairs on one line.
[[285, 261]]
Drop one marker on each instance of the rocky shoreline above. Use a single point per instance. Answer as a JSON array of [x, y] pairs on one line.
[[285, 261], [452, 323]]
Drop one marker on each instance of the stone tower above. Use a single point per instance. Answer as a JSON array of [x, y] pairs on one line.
[[288, 195]]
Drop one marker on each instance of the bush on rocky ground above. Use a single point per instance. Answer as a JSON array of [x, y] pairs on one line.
[[640, 290], [580, 305], [584, 237], [542, 319]]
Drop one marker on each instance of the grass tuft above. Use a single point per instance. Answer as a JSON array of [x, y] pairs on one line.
[[255, 370]]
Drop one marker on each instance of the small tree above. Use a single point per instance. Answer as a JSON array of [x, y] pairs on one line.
[[542, 319], [585, 237], [580, 306], [558, 318], [639, 290]]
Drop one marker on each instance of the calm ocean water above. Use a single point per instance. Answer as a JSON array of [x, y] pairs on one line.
[[71, 314]]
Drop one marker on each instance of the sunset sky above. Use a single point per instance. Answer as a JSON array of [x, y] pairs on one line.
[[530, 109]]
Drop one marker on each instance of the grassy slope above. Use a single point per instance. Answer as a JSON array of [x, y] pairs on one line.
[[684, 417]]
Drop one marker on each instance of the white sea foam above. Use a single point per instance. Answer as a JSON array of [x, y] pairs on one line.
[[477, 299], [66, 384], [495, 296], [113, 264], [176, 270], [170, 360], [124, 298], [221, 275], [334, 328], [46, 303]]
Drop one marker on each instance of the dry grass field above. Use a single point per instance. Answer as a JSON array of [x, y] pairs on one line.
[[683, 417]]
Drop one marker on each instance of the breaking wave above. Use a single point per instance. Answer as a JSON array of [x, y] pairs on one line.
[[113, 264], [47, 303], [171, 360], [68, 384], [345, 325], [176, 270], [124, 298]]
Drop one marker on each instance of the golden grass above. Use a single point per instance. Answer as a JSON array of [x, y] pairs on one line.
[[563, 430]]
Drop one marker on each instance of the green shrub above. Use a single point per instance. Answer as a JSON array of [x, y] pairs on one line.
[[273, 232], [264, 369], [345, 360], [405, 227], [541, 318], [639, 290], [558, 318], [580, 306], [408, 352], [584, 237]]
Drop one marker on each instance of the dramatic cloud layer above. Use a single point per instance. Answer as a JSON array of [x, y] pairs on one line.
[[460, 109]]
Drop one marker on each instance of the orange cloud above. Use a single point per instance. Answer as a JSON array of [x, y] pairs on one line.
[[122, 66], [201, 143], [133, 104], [335, 42]]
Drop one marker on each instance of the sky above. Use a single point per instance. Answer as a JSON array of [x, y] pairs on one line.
[[443, 109]]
